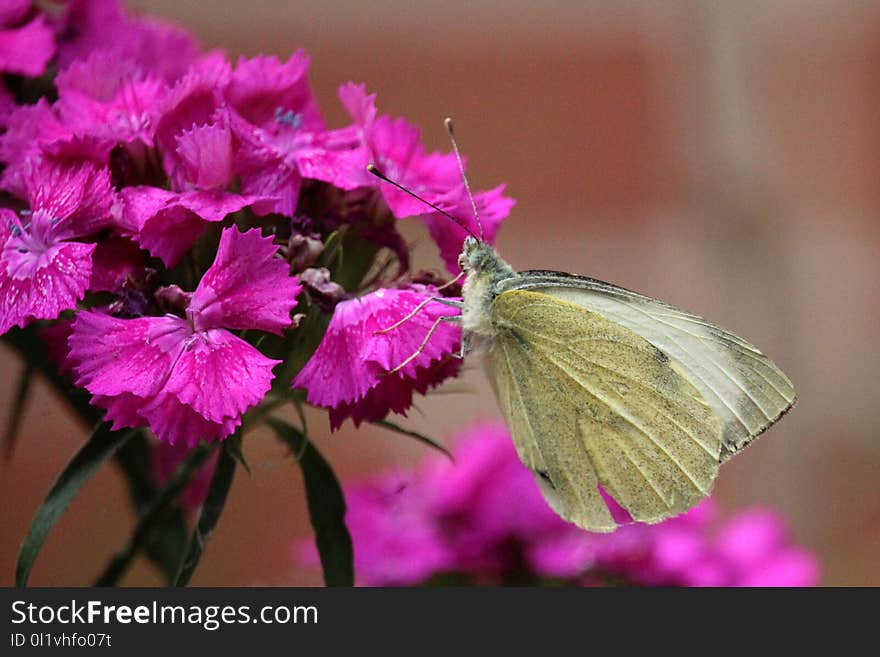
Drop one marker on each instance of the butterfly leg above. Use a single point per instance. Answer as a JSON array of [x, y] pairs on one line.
[[414, 355], [415, 311]]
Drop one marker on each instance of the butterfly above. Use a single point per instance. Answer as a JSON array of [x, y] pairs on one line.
[[605, 389], [601, 386]]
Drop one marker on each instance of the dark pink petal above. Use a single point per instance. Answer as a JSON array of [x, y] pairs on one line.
[[391, 348], [167, 224], [349, 371], [13, 12], [493, 208], [246, 287], [263, 89], [360, 105], [123, 410], [220, 375], [27, 49], [29, 127], [102, 25], [115, 260], [176, 423], [751, 537], [109, 96], [205, 154], [114, 356], [41, 285], [77, 198], [192, 101]]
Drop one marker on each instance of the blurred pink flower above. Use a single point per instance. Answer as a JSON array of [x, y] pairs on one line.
[[27, 40], [349, 371], [483, 520]]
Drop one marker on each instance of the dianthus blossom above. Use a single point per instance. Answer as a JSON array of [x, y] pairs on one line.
[[483, 520]]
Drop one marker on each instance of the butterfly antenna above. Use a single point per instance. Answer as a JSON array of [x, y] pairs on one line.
[[451, 131], [381, 176]]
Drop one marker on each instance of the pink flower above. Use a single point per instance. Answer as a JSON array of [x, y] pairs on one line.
[[349, 371], [27, 42], [191, 379], [103, 26], [280, 131], [44, 268], [110, 97], [484, 520]]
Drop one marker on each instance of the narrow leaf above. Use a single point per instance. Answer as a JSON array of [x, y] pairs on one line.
[[154, 515], [98, 448], [326, 506], [167, 542], [211, 509], [418, 436], [13, 423]]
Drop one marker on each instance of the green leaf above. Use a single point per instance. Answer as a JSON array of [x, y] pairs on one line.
[[326, 506], [98, 448], [418, 436], [154, 515], [167, 541], [211, 509], [22, 392]]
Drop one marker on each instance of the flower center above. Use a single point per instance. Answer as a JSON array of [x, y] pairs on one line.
[[28, 242]]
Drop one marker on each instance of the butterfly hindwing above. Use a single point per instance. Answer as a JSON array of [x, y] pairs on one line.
[[590, 402]]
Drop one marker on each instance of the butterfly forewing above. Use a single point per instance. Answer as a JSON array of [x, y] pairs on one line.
[[590, 402], [746, 390]]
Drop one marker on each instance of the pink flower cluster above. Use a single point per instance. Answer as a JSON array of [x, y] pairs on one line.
[[165, 208], [482, 520]]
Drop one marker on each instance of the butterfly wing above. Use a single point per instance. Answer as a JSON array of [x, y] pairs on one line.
[[590, 402], [746, 390]]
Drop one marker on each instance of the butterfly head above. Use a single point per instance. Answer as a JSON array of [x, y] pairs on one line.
[[479, 258]]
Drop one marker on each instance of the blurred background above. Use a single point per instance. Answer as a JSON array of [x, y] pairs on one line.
[[722, 156]]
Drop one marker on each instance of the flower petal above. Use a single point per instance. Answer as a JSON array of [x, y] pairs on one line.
[[113, 356], [77, 198], [220, 376], [41, 286], [262, 87], [27, 49], [247, 287]]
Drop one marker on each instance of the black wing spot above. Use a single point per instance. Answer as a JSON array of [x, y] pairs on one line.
[[546, 478], [660, 355], [521, 340]]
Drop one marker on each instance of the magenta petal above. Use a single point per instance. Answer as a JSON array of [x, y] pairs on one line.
[[263, 86], [123, 411], [115, 261], [205, 153], [114, 356], [348, 371], [391, 348], [176, 423], [27, 49], [167, 458], [167, 224], [220, 375], [246, 287], [77, 198], [42, 286]]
